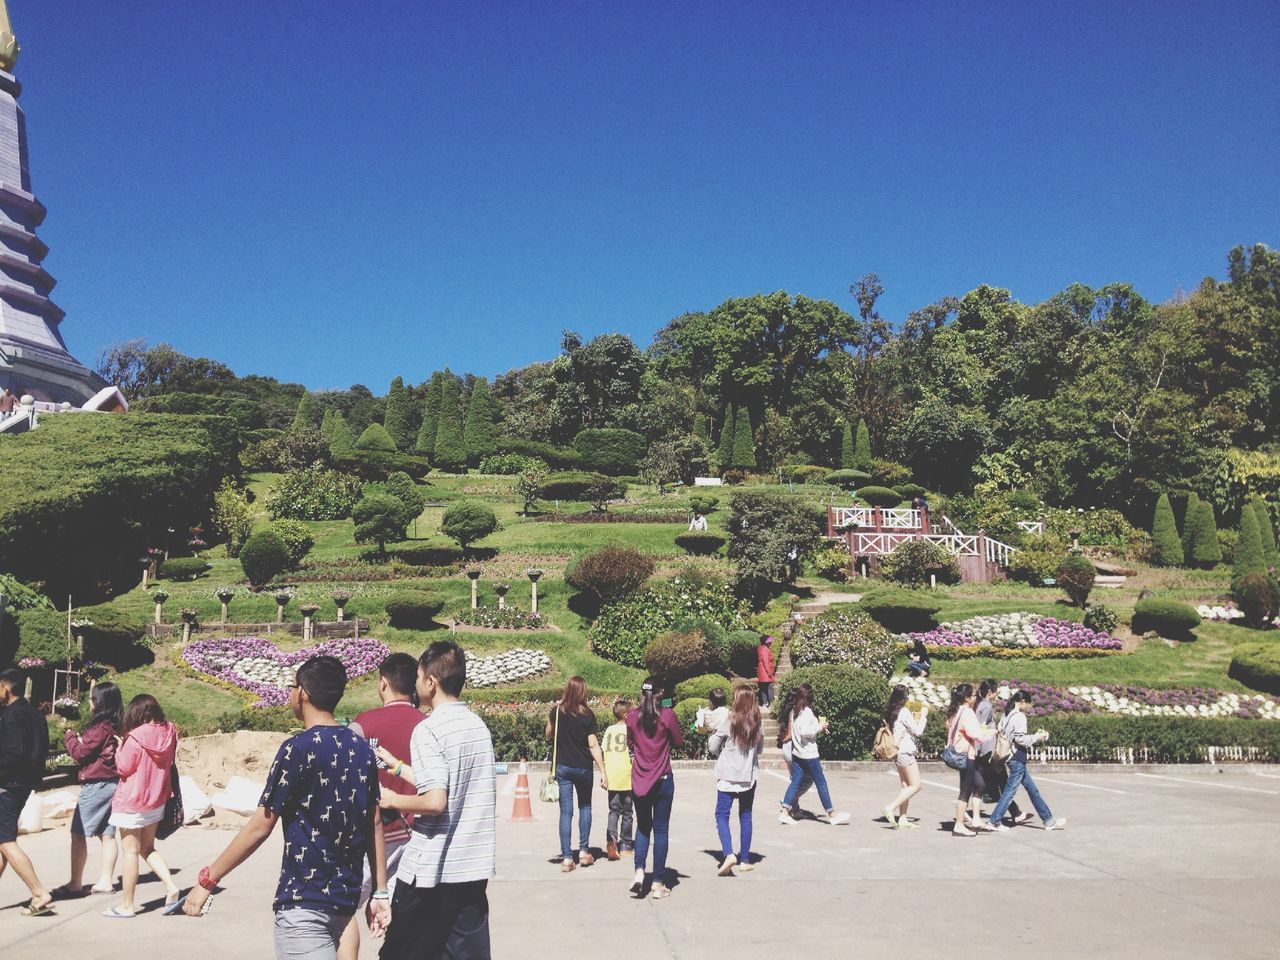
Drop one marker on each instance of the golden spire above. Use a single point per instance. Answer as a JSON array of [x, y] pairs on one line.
[[9, 48]]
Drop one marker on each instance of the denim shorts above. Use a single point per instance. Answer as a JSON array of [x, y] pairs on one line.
[[93, 809]]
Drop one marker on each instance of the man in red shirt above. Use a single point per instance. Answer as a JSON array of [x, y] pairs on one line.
[[387, 728]]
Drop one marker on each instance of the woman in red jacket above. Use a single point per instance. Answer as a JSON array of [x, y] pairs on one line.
[[766, 672], [94, 751]]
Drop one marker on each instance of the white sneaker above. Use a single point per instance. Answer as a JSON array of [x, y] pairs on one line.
[[1026, 816], [986, 827], [998, 828], [637, 883], [786, 819], [1057, 823], [836, 819], [726, 868]]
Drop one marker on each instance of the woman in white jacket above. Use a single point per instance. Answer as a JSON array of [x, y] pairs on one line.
[[736, 745], [905, 729], [1014, 726], [805, 728]]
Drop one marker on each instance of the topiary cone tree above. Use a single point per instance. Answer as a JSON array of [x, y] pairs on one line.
[[862, 447], [1190, 522], [1205, 550], [744, 445], [477, 433], [847, 458], [375, 437], [451, 449], [1266, 532], [1249, 556], [1166, 545], [724, 450], [396, 419], [426, 444], [339, 435], [305, 417]]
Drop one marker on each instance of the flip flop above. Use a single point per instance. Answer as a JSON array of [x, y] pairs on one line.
[[118, 913], [173, 906], [31, 910]]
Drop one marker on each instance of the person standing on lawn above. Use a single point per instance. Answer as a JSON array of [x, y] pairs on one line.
[[766, 671], [323, 790], [441, 906], [24, 746], [94, 751], [736, 745], [388, 729], [652, 730], [1014, 726]]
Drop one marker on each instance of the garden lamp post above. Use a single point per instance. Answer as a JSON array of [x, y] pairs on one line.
[[473, 574], [534, 574]]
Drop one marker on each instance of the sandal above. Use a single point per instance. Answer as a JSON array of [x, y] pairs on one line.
[[31, 910], [119, 913]]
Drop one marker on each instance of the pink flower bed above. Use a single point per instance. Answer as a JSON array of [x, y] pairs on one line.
[[258, 666]]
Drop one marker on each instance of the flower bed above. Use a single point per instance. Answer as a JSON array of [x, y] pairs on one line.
[[510, 667], [606, 516], [509, 618], [1131, 701], [1014, 631], [255, 665]]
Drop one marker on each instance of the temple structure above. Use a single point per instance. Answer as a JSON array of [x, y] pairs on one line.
[[34, 359]]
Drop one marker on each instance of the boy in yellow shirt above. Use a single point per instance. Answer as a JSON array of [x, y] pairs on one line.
[[617, 773]]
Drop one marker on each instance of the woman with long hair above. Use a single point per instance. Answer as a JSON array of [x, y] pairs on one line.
[[94, 751], [965, 733], [144, 758], [995, 774], [905, 729], [805, 730], [1015, 728], [572, 725], [784, 744], [736, 745], [652, 730], [918, 664]]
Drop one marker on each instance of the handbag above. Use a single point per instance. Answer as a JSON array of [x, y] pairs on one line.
[[549, 792], [885, 747], [953, 758], [174, 816]]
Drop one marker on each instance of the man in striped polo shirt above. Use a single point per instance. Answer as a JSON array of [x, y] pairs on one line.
[[441, 907]]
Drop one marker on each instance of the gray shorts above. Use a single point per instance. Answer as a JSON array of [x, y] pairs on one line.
[[93, 809], [308, 934]]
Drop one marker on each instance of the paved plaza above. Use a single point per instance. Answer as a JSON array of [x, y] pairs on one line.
[[1165, 863]]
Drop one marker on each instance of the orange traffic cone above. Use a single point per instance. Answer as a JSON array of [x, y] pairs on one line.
[[522, 810]]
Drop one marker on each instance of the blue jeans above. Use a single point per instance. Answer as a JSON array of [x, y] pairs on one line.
[[724, 803], [569, 779], [1019, 775], [653, 815], [799, 767]]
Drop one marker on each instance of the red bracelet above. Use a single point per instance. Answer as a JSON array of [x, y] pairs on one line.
[[206, 880]]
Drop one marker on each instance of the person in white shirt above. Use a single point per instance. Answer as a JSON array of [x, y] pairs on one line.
[[699, 522], [905, 729], [805, 728], [709, 718], [736, 745], [1014, 726]]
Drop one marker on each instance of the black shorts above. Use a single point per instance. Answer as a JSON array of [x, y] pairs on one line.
[[12, 801], [427, 923]]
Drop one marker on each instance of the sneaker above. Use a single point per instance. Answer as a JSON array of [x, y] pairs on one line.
[[837, 819], [567, 865], [585, 859], [611, 851], [959, 830], [905, 824], [1057, 823], [745, 867], [997, 828], [986, 826], [1025, 817], [888, 814], [625, 848], [637, 882], [726, 868], [660, 891], [786, 819]]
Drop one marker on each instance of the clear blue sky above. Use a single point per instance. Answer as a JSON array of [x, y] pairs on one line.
[[336, 192]]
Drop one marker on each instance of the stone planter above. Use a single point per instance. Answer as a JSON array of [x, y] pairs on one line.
[[501, 590]]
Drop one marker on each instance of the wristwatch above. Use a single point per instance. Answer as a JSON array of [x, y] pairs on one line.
[[206, 880]]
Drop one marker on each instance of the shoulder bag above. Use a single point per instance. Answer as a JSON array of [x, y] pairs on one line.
[[174, 816], [953, 758], [550, 789]]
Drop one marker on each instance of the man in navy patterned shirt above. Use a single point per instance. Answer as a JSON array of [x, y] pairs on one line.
[[323, 788]]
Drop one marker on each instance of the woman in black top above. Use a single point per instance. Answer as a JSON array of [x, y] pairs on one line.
[[572, 725]]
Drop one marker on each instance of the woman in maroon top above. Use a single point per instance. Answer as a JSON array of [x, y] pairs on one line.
[[766, 672], [652, 730], [94, 751]]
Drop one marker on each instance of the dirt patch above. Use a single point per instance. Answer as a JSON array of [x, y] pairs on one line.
[[212, 760]]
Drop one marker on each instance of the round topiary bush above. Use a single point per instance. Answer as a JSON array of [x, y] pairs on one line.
[[878, 496], [623, 631], [414, 610], [852, 700], [700, 687], [376, 437], [1076, 575], [468, 521], [736, 648], [297, 539], [264, 557], [680, 654], [183, 568], [611, 572], [806, 473], [1169, 618], [909, 491], [700, 543], [912, 564], [841, 637], [1258, 595], [1257, 666], [848, 479], [901, 611]]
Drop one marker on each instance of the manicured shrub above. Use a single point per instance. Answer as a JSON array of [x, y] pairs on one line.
[[477, 431], [765, 529], [888, 473], [1166, 545], [610, 450], [1266, 532], [909, 491], [736, 649], [510, 464], [414, 610], [703, 503], [848, 479], [451, 448], [912, 564], [468, 521], [314, 493], [425, 443], [40, 633], [1038, 558], [1190, 521], [677, 655], [340, 439], [862, 459], [699, 543], [879, 496], [623, 630], [289, 451], [1258, 597], [264, 557], [379, 518], [695, 742], [832, 563], [401, 486], [297, 538], [558, 458], [183, 568], [700, 687], [744, 445], [724, 447], [1205, 545], [842, 637], [378, 465], [19, 596], [1257, 666], [1101, 618], [396, 417], [806, 473], [1169, 618], [846, 448], [111, 637], [901, 611], [376, 437], [1228, 540], [307, 416], [1076, 575], [611, 572], [1249, 556], [852, 700], [572, 485]]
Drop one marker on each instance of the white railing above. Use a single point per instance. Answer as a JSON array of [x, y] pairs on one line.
[[850, 516], [871, 517], [1135, 755], [900, 519], [1031, 526], [997, 552], [13, 421], [872, 544], [951, 526]]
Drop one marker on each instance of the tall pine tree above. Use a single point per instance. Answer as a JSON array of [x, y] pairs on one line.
[[1266, 532], [396, 418], [1190, 520], [1166, 545], [305, 417], [477, 433], [426, 444], [340, 439], [862, 448], [847, 457], [1205, 550], [700, 428], [1249, 555], [326, 424], [744, 445], [451, 448], [724, 450]]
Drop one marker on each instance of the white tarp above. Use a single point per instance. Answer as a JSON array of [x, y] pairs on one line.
[[240, 796], [195, 802]]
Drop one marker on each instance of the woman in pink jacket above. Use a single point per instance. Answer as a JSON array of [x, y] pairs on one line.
[[147, 749]]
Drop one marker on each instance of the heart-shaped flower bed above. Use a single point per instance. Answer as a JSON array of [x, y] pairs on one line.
[[509, 667], [259, 667]]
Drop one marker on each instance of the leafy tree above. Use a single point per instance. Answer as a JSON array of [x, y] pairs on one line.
[[451, 449], [339, 435], [862, 450], [478, 431], [1190, 523], [426, 443], [376, 437], [1205, 552], [1076, 575], [1249, 556], [232, 516], [769, 537], [744, 445], [306, 416], [396, 418], [401, 486], [1266, 532], [380, 518], [1166, 545], [846, 448], [673, 460], [528, 487], [468, 521], [724, 450]]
